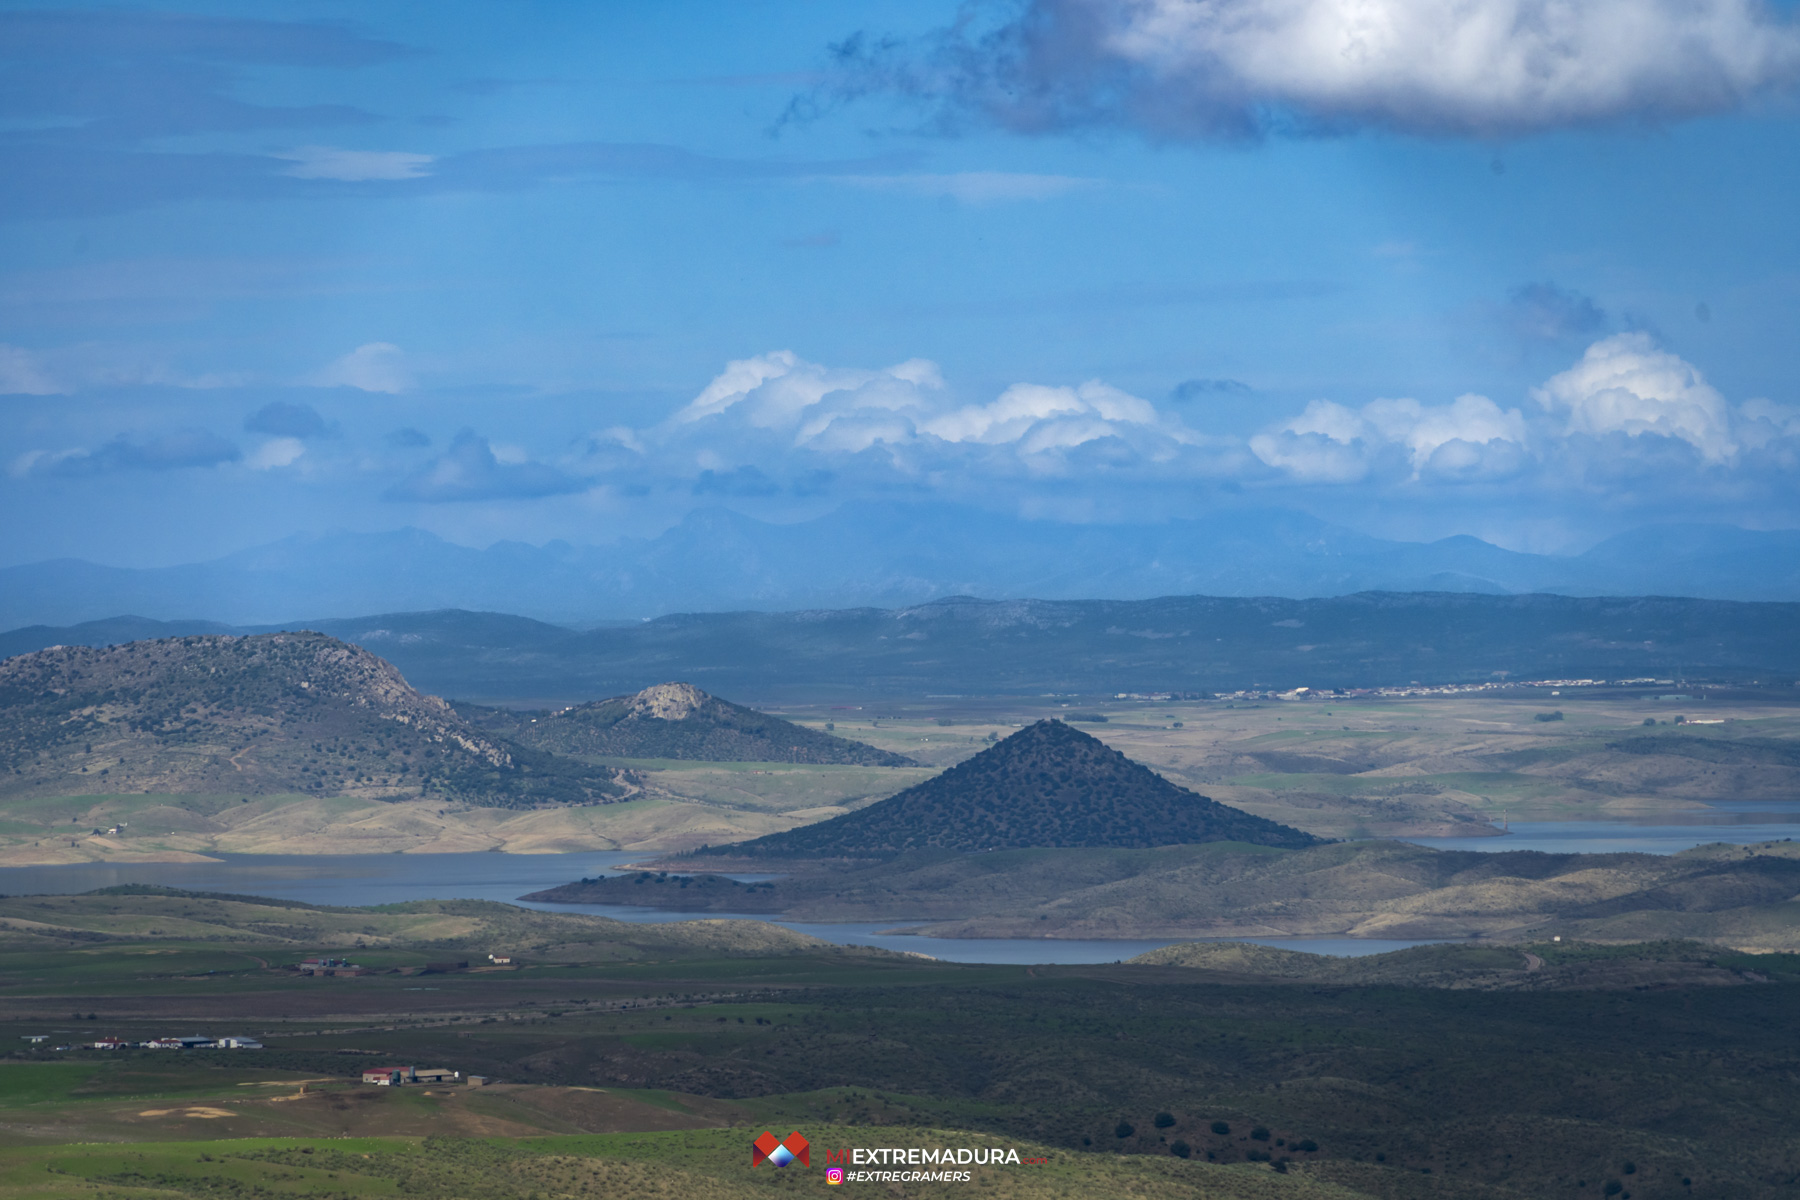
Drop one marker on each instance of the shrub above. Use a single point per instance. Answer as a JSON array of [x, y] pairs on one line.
[[1260, 1134], [1124, 1129], [1549, 716], [1613, 1187], [1164, 1120], [1181, 1149], [1628, 1168], [1221, 1128], [1308, 1145], [1256, 1155], [1649, 720]]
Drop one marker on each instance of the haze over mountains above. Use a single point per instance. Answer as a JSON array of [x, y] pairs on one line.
[[900, 555], [963, 646]]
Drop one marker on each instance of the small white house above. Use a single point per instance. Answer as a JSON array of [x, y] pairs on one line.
[[238, 1043]]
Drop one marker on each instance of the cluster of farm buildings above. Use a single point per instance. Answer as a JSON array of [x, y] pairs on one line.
[[400, 1076], [196, 1042]]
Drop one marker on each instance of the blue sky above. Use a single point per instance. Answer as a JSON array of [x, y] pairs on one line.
[[1526, 269]]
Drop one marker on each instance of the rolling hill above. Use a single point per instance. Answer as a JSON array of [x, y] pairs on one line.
[[289, 713], [1739, 896], [678, 721], [1047, 785]]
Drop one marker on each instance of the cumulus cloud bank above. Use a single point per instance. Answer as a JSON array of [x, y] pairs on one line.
[[1626, 385], [776, 424], [1329, 443], [1206, 68], [1626, 401], [903, 420]]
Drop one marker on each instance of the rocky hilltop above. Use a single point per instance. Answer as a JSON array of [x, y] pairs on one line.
[[678, 720], [277, 713], [1048, 786]]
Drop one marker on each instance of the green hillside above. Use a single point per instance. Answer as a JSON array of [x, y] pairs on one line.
[[679, 721], [1047, 785], [274, 714]]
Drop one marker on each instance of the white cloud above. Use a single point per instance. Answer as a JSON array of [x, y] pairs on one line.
[[276, 452], [1424, 430], [975, 187], [1041, 418], [22, 374], [761, 411], [354, 166], [375, 367], [1624, 384], [1329, 443], [1230, 67]]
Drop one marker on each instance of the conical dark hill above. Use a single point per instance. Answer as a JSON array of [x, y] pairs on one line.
[[1047, 785]]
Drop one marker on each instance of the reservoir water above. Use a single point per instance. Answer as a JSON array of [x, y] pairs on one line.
[[1739, 823], [391, 878]]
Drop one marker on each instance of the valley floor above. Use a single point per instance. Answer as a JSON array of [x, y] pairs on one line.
[[620, 1065]]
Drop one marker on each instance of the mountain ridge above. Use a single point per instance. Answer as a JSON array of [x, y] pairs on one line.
[[1199, 644], [719, 560]]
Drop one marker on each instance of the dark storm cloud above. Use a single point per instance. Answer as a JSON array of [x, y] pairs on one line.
[[282, 419], [1546, 312], [158, 452], [744, 481], [1236, 69], [1199, 389], [468, 470]]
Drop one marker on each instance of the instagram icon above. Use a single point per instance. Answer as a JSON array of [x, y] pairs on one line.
[[834, 1175]]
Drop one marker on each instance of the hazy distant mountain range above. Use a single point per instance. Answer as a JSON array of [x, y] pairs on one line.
[[964, 646], [717, 560]]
